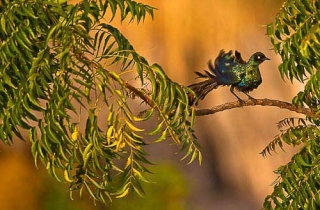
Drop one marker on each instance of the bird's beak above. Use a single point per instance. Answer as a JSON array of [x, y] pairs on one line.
[[266, 59]]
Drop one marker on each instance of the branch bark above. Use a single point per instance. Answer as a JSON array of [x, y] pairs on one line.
[[259, 102]]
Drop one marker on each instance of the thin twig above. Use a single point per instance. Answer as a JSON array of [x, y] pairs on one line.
[[259, 102], [137, 92], [140, 94]]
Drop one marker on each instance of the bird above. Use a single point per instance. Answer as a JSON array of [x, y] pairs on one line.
[[230, 70]]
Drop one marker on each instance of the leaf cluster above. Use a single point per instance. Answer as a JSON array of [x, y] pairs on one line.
[[294, 131], [297, 186], [295, 35], [64, 80]]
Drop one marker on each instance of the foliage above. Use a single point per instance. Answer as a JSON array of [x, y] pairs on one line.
[[57, 67], [295, 35], [168, 190]]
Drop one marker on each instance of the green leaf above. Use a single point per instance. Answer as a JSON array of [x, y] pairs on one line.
[[162, 137]]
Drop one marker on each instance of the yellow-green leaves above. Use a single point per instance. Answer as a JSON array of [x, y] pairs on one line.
[[295, 35], [58, 1], [176, 117], [83, 119], [296, 178], [136, 10]]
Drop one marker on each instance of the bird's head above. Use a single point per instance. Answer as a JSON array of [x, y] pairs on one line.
[[259, 57]]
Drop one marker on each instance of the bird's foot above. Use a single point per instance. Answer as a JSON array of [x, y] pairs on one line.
[[241, 102], [252, 99]]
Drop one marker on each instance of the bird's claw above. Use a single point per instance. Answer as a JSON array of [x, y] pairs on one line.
[[241, 102], [252, 99]]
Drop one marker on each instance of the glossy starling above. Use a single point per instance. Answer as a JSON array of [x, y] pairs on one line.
[[230, 70]]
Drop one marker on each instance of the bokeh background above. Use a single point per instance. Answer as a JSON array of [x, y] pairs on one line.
[[183, 36]]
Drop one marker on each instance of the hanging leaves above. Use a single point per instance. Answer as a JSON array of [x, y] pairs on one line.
[[295, 35], [56, 82]]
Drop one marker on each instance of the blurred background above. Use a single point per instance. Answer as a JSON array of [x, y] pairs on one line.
[[182, 38]]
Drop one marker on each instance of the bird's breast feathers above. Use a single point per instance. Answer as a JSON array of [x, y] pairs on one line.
[[251, 79]]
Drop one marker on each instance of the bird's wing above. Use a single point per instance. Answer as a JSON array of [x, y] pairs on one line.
[[238, 57], [224, 69]]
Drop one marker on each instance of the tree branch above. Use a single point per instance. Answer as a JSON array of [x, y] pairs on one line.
[[259, 102], [137, 92], [230, 105], [140, 94]]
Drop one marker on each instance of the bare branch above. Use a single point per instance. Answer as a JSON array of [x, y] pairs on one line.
[[259, 102]]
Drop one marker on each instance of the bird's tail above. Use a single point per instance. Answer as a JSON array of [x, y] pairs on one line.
[[201, 89]]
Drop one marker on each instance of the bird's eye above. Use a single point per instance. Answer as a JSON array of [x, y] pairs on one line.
[[259, 57]]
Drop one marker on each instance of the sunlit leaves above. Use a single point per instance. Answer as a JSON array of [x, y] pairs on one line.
[[136, 10], [112, 46], [176, 117], [297, 186], [294, 131], [56, 84], [21, 60], [295, 35], [296, 183]]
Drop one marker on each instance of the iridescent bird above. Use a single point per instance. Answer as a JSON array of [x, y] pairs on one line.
[[230, 70]]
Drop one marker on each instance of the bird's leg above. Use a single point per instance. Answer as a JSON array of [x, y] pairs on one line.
[[250, 97], [232, 91]]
